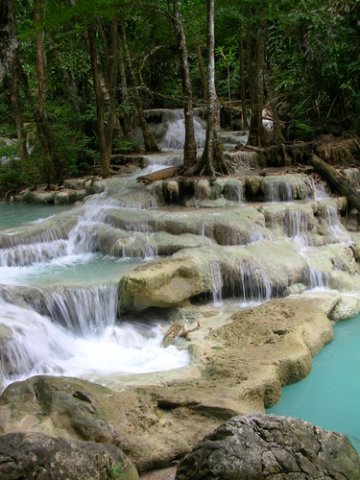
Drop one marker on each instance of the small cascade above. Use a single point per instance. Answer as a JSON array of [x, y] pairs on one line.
[[34, 345], [296, 225], [254, 283], [174, 137], [317, 278], [155, 162], [278, 191], [83, 311], [81, 237], [23, 255], [12, 239], [216, 283], [336, 228]]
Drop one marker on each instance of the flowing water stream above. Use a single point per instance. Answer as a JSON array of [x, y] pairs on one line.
[[58, 295]]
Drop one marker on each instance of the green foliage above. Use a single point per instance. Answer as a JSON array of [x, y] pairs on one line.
[[117, 473], [300, 130], [312, 67], [125, 145]]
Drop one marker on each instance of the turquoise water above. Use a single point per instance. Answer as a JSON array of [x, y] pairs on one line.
[[15, 214], [329, 396], [81, 271]]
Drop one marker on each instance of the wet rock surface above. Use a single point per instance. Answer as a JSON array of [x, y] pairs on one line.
[[239, 363], [38, 456], [266, 447]]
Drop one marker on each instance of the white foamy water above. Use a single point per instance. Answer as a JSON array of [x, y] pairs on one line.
[[174, 137], [34, 345]]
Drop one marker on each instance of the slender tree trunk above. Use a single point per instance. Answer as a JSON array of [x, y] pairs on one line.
[[202, 70], [54, 167], [100, 106], [190, 142], [212, 161], [256, 135], [244, 120], [277, 134], [249, 65], [17, 111], [149, 141], [123, 81], [112, 62], [8, 41]]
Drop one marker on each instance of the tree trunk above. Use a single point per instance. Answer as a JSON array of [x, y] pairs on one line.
[[54, 167], [123, 81], [202, 71], [244, 120], [8, 41], [112, 63], [149, 141], [277, 134], [336, 180], [100, 106], [250, 65], [190, 142], [212, 161], [17, 111], [256, 135]]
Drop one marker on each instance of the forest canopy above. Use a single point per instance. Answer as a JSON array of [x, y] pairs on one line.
[[76, 75]]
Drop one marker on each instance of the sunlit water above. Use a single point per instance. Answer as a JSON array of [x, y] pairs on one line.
[[329, 396]]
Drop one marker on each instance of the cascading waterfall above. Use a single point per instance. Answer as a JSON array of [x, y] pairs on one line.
[[34, 345], [97, 312], [336, 228], [174, 137], [216, 283], [255, 285], [317, 278], [296, 225], [22, 255], [278, 191]]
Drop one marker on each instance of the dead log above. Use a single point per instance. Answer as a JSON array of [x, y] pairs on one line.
[[159, 175], [336, 180]]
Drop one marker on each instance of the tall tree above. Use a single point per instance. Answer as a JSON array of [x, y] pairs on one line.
[[212, 162], [190, 142], [8, 40], [257, 134], [53, 163], [149, 140]]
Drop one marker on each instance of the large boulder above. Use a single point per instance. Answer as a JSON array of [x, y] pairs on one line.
[[38, 456], [239, 362], [266, 447]]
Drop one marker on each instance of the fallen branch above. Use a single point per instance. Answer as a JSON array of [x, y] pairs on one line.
[[336, 180], [159, 175]]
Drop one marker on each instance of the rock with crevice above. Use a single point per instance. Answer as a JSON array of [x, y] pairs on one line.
[[266, 447], [38, 456]]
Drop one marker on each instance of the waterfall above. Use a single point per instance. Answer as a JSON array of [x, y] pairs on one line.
[[174, 137], [254, 283], [22, 255], [216, 283], [278, 191], [317, 278], [93, 345], [337, 230], [296, 225], [98, 308]]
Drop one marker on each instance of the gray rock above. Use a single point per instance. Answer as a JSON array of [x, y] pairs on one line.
[[267, 447], [38, 456]]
